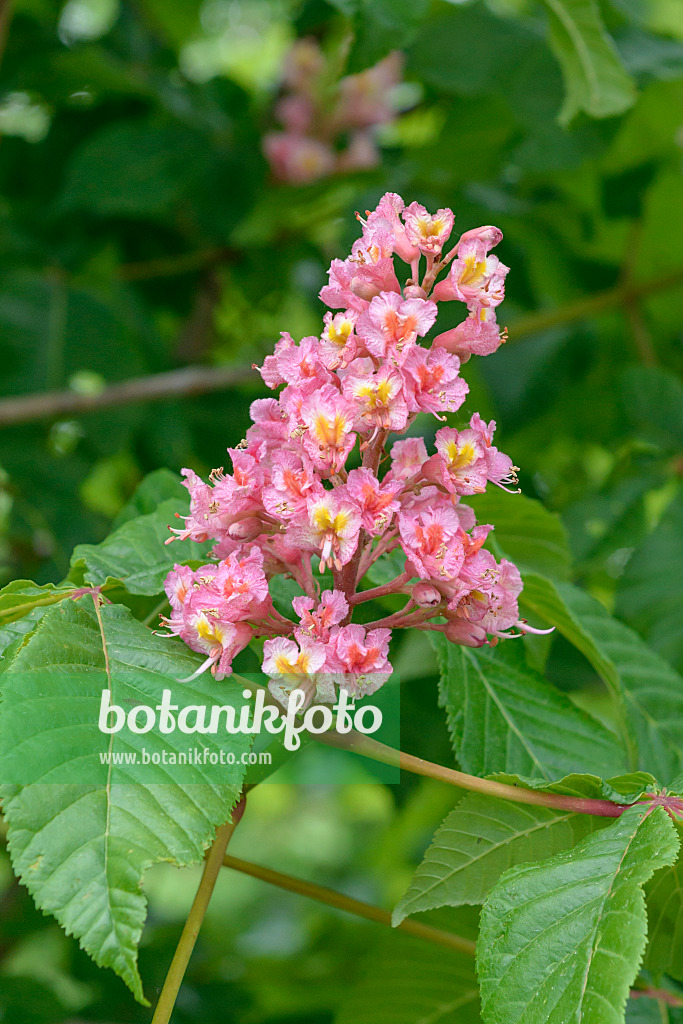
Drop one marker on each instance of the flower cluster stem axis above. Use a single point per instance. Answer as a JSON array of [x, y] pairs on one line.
[[377, 751], [195, 918], [350, 905]]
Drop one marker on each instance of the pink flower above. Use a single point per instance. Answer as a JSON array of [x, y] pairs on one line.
[[432, 381], [293, 665], [293, 481], [329, 417], [296, 158], [291, 660], [391, 325], [383, 227], [339, 344], [331, 526], [477, 335], [378, 397], [359, 661], [365, 98], [432, 543], [318, 619], [460, 465], [475, 277], [407, 457], [178, 586], [376, 501], [426, 231]]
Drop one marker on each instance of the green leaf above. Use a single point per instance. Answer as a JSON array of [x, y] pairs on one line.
[[653, 402], [594, 77], [563, 940], [81, 848], [19, 597], [664, 894], [478, 841], [649, 594], [648, 691], [132, 168], [525, 532], [137, 552], [504, 716], [409, 980], [157, 487]]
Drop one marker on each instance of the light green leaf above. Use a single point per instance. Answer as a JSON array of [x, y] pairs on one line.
[[409, 980], [525, 532], [159, 486], [646, 688], [137, 554], [562, 940], [504, 716], [594, 77], [19, 597], [81, 848], [478, 841]]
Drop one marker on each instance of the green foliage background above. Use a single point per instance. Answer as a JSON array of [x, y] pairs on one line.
[[141, 232]]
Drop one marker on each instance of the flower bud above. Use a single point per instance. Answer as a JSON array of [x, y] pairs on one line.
[[414, 291], [245, 529], [426, 595], [468, 634], [364, 289]]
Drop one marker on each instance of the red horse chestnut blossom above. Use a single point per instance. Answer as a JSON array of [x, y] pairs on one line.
[[320, 487]]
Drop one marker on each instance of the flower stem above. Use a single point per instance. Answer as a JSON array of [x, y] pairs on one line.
[[368, 747], [393, 587], [188, 938], [347, 903]]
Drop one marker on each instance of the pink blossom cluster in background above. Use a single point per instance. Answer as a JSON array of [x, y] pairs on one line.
[[328, 125], [317, 487]]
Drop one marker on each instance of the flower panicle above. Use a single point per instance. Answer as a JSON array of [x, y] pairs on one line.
[[296, 505]]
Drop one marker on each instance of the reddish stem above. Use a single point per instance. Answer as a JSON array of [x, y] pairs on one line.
[[393, 587]]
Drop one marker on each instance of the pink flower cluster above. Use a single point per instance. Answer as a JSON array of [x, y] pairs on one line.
[[315, 487], [315, 117]]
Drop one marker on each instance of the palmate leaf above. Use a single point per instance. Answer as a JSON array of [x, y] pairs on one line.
[[81, 848], [503, 716], [563, 940], [478, 841], [665, 916], [595, 79], [525, 532], [646, 687], [20, 596], [649, 595], [409, 980], [136, 553]]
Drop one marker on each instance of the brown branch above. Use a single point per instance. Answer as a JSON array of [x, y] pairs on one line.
[[197, 380], [190, 380], [172, 266], [623, 294], [6, 10]]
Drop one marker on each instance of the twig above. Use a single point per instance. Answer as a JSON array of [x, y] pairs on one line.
[[6, 10], [197, 380], [191, 380], [186, 944], [347, 903], [171, 266], [592, 305]]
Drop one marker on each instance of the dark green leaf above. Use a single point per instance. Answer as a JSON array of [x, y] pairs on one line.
[[137, 552], [647, 690], [525, 532], [503, 716]]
